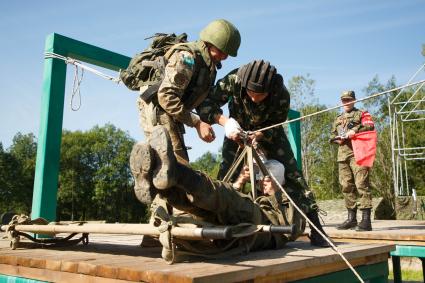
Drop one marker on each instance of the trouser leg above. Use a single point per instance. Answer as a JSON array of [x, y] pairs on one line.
[[361, 180], [150, 116], [346, 179]]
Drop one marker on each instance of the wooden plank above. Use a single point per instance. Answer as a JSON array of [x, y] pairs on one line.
[[320, 270], [387, 231], [130, 262], [53, 276]]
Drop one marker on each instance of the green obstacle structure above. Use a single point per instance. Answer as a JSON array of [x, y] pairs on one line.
[[49, 138]]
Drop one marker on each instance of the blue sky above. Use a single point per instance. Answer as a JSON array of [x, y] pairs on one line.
[[341, 44]]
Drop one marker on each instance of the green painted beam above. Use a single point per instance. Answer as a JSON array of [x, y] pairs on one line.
[[373, 273], [50, 133], [294, 136], [88, 53], [49, 138], [15, 279], [409, 251]]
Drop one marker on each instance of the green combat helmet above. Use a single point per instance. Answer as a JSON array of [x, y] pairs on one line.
[[348, 94], [223, 35]]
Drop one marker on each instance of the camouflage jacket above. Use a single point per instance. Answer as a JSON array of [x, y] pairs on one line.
[[189, 75], [251, 116], [345, 122]]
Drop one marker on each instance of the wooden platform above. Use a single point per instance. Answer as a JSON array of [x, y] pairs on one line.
[[118, 258], [403, 232]]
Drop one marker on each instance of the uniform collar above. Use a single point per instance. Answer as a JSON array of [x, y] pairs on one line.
[[204, 53]]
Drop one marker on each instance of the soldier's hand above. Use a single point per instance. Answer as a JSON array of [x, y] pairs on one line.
[[205, 131], [254, 138], [242, 178], [350, 134], [232, 129]]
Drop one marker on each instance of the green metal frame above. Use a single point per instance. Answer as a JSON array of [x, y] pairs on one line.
[[294, 136], [49, 138], [406, 251], [50, 134], [16, 279]]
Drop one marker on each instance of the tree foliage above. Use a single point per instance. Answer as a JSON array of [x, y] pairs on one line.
[[318, 155], [17, 165], [414, 136], [208, 163], [95, 180]]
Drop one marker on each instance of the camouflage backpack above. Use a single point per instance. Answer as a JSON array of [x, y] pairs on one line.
[[146, 68]]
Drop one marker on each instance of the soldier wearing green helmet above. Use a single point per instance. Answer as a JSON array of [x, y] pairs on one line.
[[222, 35], [190, 71]]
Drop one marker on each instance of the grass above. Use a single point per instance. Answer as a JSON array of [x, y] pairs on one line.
[[408, 275]]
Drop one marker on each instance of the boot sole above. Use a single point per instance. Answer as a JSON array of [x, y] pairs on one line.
[[164, 174], [141, 163]]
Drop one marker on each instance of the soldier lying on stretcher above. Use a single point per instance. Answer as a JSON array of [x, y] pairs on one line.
[[155, 169]]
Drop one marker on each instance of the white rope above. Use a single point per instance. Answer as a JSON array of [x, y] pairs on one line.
[[76, 90], [338, 106], [76, 86], [69, 60], [314, 226]]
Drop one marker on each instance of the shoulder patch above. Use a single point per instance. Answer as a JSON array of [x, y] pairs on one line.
[[188, 60]]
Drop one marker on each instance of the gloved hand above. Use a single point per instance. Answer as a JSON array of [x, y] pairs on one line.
[[232, 129]]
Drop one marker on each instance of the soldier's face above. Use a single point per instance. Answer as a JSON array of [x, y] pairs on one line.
[[257, 97], [216, 54], [348, 104]]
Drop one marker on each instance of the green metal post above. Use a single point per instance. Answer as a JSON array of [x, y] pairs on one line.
[[50, 134], [49, 138], [294, 136]]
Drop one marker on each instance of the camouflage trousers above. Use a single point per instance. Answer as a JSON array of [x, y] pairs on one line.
[[354, 180], [151, 115], [218, 203], [275, 146]]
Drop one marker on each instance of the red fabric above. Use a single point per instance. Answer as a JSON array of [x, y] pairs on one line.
[[364, 147], [367, 119]]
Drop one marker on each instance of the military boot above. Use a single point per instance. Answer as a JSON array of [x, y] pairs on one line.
[[167, 172], [365, 224], [351, 220], [315, 238], [141, 167], [164, 173]]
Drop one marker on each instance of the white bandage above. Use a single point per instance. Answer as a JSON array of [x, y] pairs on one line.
[[232, 128]]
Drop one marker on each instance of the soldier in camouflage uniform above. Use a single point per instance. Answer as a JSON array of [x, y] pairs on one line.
[[189, 74], [353, 178], [257, 98], [213, 201]]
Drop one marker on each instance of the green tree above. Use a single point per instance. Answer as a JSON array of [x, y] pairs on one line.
[[382, 172], [95, 180], [208, 163], [24, 149], [17, 166], [318, 156], [9, 187]]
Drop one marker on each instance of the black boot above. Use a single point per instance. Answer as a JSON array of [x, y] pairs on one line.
[[315, 238], [365, 224], [141, 167], [351, 221]]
